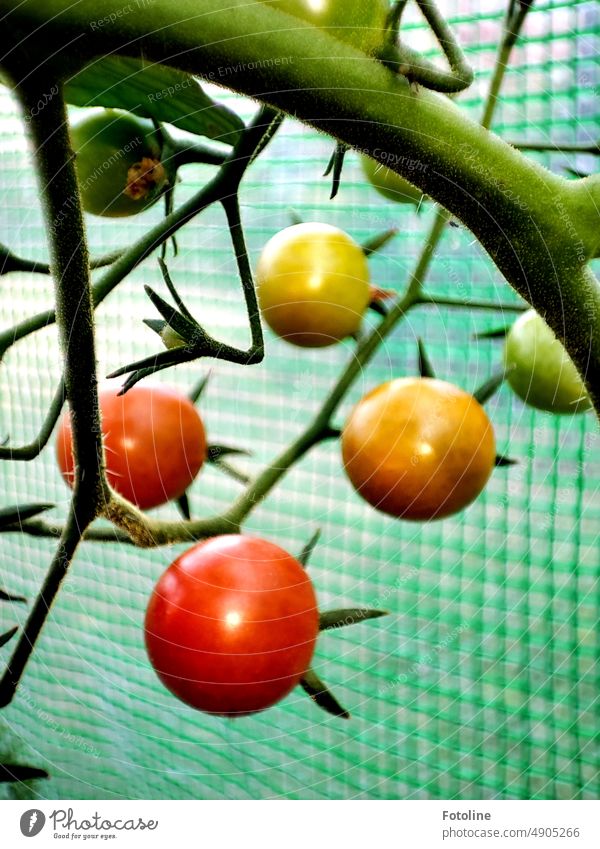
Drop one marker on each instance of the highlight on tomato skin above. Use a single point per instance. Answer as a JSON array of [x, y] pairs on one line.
[[313, 284], [154, 442], [418, 448], [231, 625]]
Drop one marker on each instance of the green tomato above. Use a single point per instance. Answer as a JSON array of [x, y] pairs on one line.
[[389, 184], [540, 371], [118, 163], [361, 23]]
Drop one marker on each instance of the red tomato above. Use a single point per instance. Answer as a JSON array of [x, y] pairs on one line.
[[154, 443], [231, 625], [418, 448]]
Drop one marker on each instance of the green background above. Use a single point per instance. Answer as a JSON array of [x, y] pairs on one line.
[[485, 679]]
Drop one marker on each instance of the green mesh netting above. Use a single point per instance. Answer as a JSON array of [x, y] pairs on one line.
[[484, 682]]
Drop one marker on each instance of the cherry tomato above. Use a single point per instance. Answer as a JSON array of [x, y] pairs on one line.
[[389, 184], [231, 625], [418, 448], [313, 284], [118, 163], [154, 443], [361, 23], [539, 369]]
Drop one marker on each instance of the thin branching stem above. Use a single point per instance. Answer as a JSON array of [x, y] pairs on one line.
[[59, 191]]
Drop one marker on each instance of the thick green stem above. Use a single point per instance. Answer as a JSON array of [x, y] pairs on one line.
[[69, 263], [538, 228], [70, 269]]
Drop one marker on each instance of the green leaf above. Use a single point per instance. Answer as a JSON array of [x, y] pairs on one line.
[[308, 549], [495, 333], [324, 698], [4, 596], [5, 638], [501, 461], [183, 503], [20, 512], [17, 772], [425, 367], [153, 91], [490, 387], [330, 619], [217, 452], [376, 243]]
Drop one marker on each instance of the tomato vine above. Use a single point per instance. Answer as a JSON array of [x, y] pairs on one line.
[[465, 168]]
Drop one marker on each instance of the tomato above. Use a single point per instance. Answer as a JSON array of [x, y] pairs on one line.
[[118, 163], [361, 23], [231, 625], [418, 448], [313, 284], [389, 184], [154, 443], [539, 369]]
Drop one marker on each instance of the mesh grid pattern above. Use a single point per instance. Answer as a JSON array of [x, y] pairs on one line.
[[484, 681]]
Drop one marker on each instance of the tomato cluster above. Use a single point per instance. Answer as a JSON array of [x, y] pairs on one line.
[[231, 625]]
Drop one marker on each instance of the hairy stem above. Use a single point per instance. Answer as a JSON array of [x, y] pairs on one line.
[[54, 162]]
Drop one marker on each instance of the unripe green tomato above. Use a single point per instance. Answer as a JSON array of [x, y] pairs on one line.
[[118, 163], [313, 284], [389, 184], [361, 23], [540, 371]]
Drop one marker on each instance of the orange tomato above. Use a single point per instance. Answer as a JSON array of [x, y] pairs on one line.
[[418, 448]]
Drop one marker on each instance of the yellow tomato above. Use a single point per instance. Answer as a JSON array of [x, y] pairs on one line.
[[313, 284]]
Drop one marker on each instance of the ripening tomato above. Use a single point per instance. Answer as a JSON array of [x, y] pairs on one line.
[[231, 625], [361, 23], [154, 443], [118, 163], [313, 284], [389, 184], [539, 369], [418, 448]]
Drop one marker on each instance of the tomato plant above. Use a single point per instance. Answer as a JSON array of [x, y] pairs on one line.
[[154, 443], [418, 448], [359, 22], [389, 184], [539, 369], [313, 284], [231, 625], [118, 163]]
